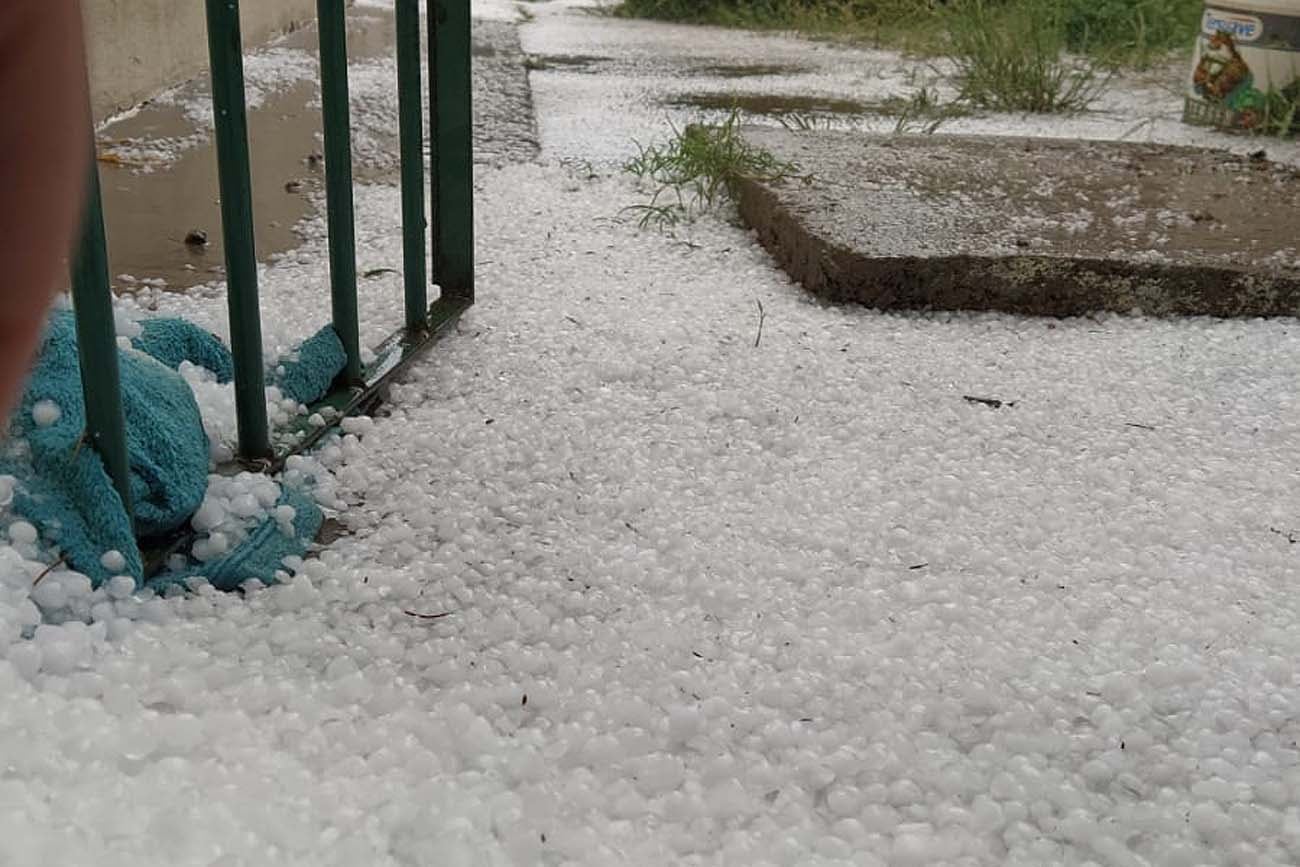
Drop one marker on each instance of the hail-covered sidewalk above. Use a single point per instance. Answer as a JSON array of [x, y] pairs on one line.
[[658, 560]]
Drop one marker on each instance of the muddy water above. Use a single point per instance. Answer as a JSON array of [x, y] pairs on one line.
[[148, 214], [570, 62], [594, 62], [770, 104], [745, 70]]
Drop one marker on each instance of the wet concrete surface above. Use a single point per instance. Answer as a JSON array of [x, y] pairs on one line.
[[152, 203], [505, 126], [1031, 226]]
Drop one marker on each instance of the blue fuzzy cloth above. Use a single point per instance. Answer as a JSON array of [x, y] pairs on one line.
[[260, 555], [64, 488], [307, 374], [172, 341]]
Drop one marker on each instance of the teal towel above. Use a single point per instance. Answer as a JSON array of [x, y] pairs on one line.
[[319, 359], [172, 341], [262, 553], [64, 488]]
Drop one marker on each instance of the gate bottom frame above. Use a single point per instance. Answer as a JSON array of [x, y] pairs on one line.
[[392, 357]]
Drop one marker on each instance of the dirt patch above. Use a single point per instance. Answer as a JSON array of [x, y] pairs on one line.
[[755, 70], [570, 62], [594, 63], [1034, 227], [770, 104]]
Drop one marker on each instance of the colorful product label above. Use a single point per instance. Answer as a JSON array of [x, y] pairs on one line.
[[1246, 73], [1241, 27]]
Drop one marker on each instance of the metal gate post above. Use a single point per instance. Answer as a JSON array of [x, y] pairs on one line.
[[452, 148], [410, 108], [92, 299], [332, 23], [225, 54]]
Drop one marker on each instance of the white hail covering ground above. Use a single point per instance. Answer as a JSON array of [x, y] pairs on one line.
[[706, 602]]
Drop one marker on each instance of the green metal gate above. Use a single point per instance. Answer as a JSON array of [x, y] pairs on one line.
[[451, 196]]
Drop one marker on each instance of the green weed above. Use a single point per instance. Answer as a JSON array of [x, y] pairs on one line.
[[923, 112], [1280, 114], [799, 122], [1113, 32], [1013, 59], [1134, 33], [696, 168], [890, 22]]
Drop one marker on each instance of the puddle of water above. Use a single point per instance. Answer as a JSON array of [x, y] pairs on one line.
[[724, 70], [588, 63], [575, 62], [769, 104], [148, 214]]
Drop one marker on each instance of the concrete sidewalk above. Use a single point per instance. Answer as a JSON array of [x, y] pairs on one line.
[[1030, 226]]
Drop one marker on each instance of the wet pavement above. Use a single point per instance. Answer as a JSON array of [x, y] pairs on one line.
[[158, 164]]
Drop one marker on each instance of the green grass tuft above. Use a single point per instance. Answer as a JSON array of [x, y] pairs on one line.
[[694, 171], [1280, 115], [1114, 32], [898, 23], [1013, 59], [1133, 33], [1009, 55], [922, 112]]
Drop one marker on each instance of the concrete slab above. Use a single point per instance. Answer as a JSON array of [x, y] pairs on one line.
[[1030, 226]]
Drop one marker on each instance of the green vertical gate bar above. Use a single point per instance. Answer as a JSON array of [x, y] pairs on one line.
[[332, 23], [92, 299], [410, 107], [225, 55], [452, 138]]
